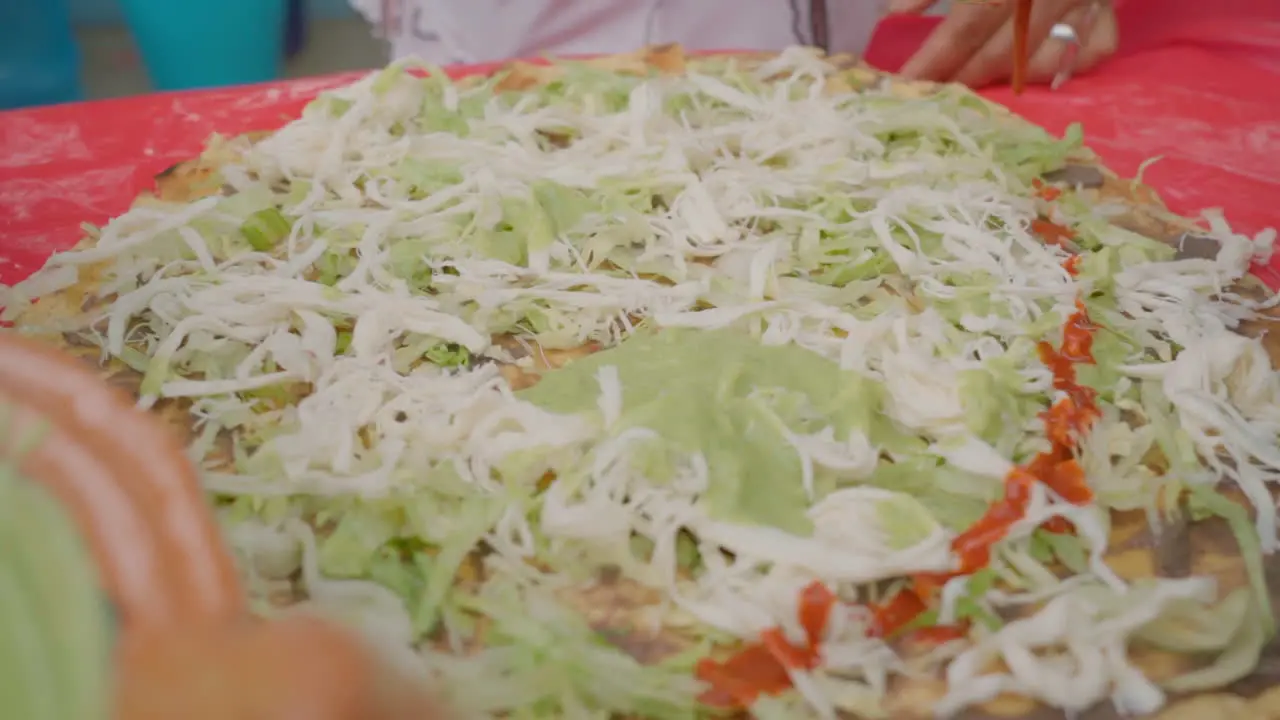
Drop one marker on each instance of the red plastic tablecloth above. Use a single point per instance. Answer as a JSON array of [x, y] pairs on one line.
[[1200, 94]]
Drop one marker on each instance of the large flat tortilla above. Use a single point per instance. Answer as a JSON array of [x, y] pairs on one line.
[[613, 606]]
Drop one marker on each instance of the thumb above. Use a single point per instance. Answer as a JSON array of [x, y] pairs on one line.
[[909, 7]]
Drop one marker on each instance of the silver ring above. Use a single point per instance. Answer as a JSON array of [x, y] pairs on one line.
[[1065, 32]]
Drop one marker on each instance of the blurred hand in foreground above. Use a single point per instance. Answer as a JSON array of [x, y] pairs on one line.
[[293, 668], [974, 44]]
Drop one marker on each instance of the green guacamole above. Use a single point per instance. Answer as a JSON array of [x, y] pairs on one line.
[[724, 394]]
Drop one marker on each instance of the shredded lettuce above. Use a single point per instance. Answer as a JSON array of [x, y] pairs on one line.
[[1204, 502], [817, 301], [544, 660], [56, 619]]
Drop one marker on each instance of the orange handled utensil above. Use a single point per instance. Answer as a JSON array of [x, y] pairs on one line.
[[1021, 27]]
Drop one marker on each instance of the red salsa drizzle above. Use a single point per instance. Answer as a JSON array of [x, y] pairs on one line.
[[761, 668], [938, 634], [1052, 233], [1045, 191], [889, 617], [1057, 468], [899, 612]]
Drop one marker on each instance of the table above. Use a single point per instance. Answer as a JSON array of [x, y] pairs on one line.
[[1212, 117]]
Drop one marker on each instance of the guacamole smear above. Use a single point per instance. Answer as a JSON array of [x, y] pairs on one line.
[[737, 401]]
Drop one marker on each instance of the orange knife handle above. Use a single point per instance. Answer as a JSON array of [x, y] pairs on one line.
[[1021, 27]]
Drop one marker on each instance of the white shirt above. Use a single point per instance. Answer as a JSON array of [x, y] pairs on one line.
[[474, 31]]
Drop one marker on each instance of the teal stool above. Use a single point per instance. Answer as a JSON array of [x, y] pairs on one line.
[[39, 58], [207, 43]]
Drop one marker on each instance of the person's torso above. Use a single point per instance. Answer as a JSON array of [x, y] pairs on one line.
[[472, 31]]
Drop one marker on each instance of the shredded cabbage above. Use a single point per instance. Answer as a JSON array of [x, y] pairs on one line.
[[352, 320]]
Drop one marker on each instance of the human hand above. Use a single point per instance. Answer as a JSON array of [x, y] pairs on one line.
[[974, 44], [281, 669]]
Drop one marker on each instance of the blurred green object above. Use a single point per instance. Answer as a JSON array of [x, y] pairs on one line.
[[55, 623]]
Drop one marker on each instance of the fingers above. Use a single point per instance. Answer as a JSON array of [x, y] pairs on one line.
[[974, 44], [909, 7], [1101, 41], [961, 34], [1100, 37], [1046, 61], [993, 62]]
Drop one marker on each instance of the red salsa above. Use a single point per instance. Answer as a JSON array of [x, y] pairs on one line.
[[761, 668]]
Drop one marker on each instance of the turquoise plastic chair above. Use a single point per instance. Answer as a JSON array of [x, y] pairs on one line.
[[39, 58], [207, 43]]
